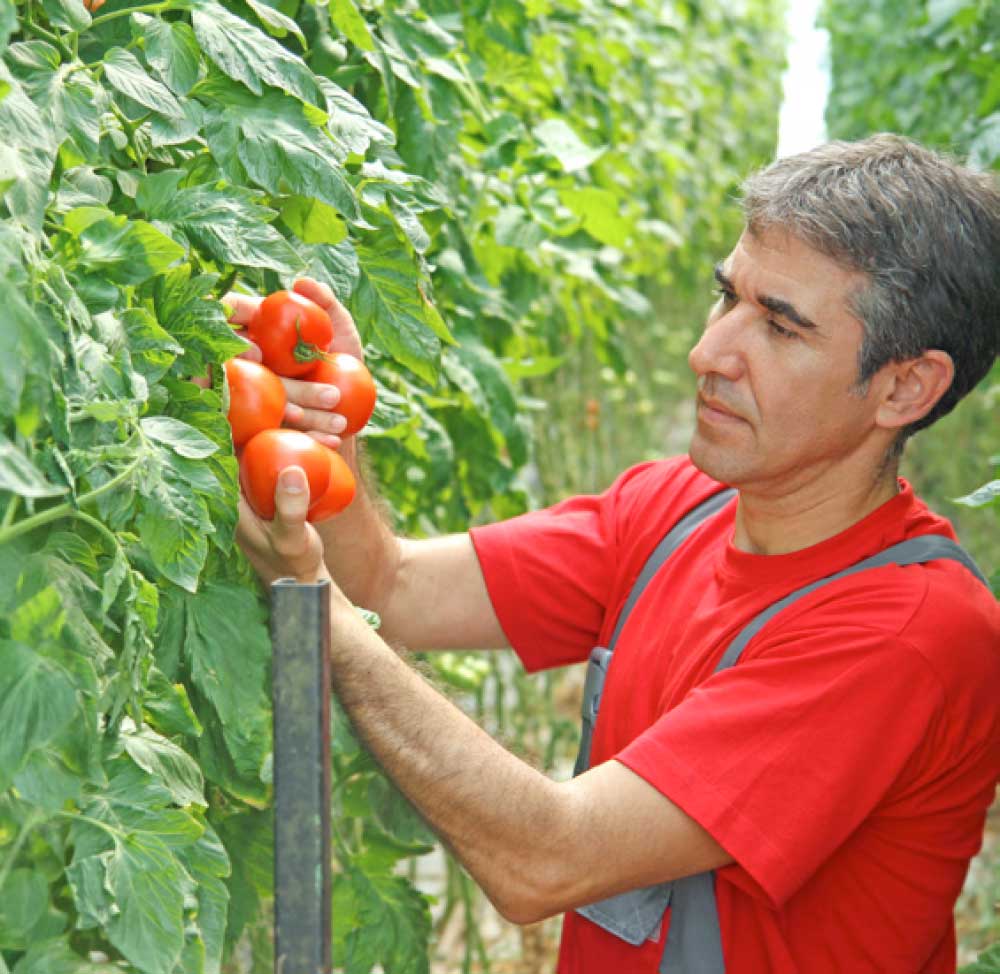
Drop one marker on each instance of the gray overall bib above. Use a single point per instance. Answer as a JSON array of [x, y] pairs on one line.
[[694, 941]]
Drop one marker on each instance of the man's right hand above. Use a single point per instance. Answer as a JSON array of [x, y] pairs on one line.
[[311, 405]]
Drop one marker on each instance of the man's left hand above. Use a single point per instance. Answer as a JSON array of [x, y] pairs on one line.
[[289, 546]]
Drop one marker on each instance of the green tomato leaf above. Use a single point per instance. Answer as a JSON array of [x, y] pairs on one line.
[[379, 920], [171, 49], [127, 251], [67, 15], [37, 699], [276, 22], [24, 898], [27, 154], [313, 221], [345, 16], [8, 22], [128, 76], [229, 225], [600, 210], [558, 140], [245, 54], [188, 310], [987, 494], [20, 476], [220, 618], [166, 762], [389, 303], [350, 123], [149, 885], [183, 439], [283, 152]]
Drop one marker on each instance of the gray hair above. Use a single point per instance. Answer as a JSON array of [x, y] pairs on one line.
[[925, 231]]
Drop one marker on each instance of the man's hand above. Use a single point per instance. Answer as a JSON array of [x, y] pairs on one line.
[[309, 403], [288, 546]]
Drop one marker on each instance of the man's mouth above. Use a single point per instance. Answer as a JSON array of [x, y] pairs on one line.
[[716, 411]]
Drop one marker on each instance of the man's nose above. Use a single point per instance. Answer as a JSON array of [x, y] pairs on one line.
[[719, 350]]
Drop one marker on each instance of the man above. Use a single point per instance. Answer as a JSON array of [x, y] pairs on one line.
[[836, 779]]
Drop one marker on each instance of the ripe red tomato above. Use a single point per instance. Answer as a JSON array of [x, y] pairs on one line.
[[356, 385], [339, 494], [291, 331], [268, 453], [256, 399]]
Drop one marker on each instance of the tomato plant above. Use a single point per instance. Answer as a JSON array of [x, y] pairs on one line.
[[356, 385], [291, 332], [256, 399], [490, 190], [270, 452], [339, 492]]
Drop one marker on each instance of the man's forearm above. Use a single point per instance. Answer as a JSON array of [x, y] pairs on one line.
[[362, 554], [494, 811]]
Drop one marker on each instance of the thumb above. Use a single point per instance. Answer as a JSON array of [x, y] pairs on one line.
[[291, 497]]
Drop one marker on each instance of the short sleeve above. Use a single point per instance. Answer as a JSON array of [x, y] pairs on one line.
[[782, 756], [551, 574]]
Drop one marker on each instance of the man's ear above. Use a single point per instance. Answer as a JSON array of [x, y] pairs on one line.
[[914, 388]]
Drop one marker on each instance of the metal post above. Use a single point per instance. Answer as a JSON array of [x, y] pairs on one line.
[[300, 632]]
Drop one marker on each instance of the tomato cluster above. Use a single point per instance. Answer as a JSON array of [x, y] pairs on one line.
[[294, 335]]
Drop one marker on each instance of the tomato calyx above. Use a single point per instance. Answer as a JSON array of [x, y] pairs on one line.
[[306, 351]]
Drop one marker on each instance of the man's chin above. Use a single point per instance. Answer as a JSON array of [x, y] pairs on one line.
[[719, 463]]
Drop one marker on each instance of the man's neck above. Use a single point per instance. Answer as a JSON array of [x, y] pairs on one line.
[[772, 523]]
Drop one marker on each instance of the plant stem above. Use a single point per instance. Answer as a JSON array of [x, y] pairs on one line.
[[152, 8], [99, 527], [8, 517], [30, 27], [67, 509]]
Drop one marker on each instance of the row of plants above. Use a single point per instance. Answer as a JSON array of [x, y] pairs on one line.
[[484, 184], [933, 65]]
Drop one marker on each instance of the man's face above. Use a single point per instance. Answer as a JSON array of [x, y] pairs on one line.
[[777, 366]]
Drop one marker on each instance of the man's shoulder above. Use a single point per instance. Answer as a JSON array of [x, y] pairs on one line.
[[671, 485]]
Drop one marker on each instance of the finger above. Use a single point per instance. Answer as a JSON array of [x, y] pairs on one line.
[[243, 306], [250, 533], [310, 420], [311, 395], [252, 352], [333, 442], [345, 332], [291, 536], [316, 291]]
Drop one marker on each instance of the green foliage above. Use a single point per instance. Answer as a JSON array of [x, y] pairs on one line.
[[484, 184]]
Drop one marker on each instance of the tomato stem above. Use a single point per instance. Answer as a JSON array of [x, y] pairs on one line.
[[69, 508]]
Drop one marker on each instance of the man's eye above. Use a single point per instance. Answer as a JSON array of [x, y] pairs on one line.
[[779, 330], [727, 296]]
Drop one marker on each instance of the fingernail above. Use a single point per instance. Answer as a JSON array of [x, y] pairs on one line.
[[328, 398], [291, 481], [338, 424]]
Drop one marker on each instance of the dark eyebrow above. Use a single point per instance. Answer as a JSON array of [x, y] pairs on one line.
[[777, 306]]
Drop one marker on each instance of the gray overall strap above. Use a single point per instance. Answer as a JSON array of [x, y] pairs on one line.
[[600, 656], [636, 915], [694, 940]]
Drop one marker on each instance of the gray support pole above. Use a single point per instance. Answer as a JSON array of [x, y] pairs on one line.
[[300, 632]]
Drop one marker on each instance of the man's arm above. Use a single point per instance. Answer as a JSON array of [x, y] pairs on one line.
[[430, 594], [535, 846]]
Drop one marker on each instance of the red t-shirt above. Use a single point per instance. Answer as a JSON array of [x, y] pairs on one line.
[[846, 762]]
